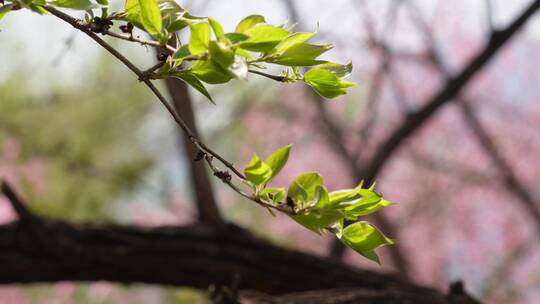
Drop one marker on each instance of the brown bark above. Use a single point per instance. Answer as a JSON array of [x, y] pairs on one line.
[[34, 249]]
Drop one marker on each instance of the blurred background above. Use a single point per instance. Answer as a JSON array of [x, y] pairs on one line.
[[84, 141]]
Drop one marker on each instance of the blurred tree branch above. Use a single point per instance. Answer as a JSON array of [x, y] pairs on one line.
[[204, 198], [198, 256]]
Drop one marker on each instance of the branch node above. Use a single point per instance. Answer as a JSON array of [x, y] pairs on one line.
[[200, 155], [225, 176]]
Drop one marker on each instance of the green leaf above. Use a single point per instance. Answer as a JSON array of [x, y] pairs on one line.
[[195, 83], [257, 171], [133, 11], [372, 255], [316, 219], [361, 209], [224, 56], [263, 37], [342, 196], [369, 202], [362, 237], [151, 16], [306, 182], [75, 4], [221, 54], [275, 195], [182, 53], [216, 27], [200, 38], [236, 37], [210, 72], [178, 25], [339, 70], [244, 53], [298, 194], [292, 40], [278, 159], [249, 22], [322, 198], [326, 83], [302, 54], [103, 2]]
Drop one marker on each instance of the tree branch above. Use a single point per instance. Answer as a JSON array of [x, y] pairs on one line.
[[451, 89], [195, 256]]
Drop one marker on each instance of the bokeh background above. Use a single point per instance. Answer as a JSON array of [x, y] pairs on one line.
[[86, 142]]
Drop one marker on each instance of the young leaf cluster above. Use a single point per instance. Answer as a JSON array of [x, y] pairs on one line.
[[308, 202], [212, 55]]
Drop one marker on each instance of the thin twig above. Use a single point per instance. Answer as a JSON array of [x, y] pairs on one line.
[[132, 38], [16, 202]]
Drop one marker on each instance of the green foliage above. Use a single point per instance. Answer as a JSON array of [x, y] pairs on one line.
[[278, 159], [258, 172], [363, 238], [200, 38], [228, 56], [326, 83], [249, 22], [150, 16], [312, 206]]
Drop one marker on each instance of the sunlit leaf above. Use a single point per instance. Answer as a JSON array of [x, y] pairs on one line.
[[151, 16], [249, 22], [195, 83], [363, 237], [275, 195], [317, 219], [178, 25], [257, 172], [200, 38], [278, 159], [216, 27], [221, 54], [210, 72], [263, 37], [236, 37], [292, 40], [326, 83], [307, 183], [340, 70], [133, 11], [302, 54]]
